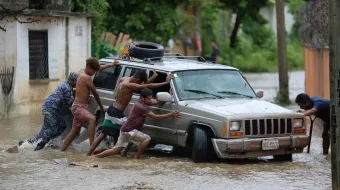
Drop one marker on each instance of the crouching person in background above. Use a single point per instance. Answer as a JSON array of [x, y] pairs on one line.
[[130, 131]]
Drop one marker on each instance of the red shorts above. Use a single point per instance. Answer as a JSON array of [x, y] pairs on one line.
[[80, 113]]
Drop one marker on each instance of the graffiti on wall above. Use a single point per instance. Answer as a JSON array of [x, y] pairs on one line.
[[79, 31], [53, 68]]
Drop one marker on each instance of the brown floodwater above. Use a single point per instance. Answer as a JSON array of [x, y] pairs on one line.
[[158, 169]]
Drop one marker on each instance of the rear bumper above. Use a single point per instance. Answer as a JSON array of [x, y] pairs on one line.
[[248, 148]]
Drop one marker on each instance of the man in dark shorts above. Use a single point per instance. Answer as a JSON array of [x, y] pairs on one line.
[[215, 52], [130, 131], [320, 108]]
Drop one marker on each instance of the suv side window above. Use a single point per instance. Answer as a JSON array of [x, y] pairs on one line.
[[160, 78], [107, 79], [129, 72]]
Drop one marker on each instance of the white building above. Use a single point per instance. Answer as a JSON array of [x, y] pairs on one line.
[[42, 53]]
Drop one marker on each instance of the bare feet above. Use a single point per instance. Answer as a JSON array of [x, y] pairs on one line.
[[99, 150]]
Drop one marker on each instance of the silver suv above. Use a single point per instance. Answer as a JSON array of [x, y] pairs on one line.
[[221, 114]]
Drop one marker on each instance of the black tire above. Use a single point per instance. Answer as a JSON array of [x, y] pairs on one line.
[[284, 157], [142, 50], [201, 146], [151, 145], [182, 151]]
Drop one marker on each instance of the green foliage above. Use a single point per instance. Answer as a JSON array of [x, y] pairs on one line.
[[245, 10], [209, 17], [250, 8], [256, 50], [249, 57], [147, 20], [295, 55], [260, 34], [101, 49], [294, 9]]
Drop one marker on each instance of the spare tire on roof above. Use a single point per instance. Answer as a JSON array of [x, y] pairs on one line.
[[142, 50]]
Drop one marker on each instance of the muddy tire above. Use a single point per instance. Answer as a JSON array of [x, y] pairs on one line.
[[142, 50], [284, 157], [201, 145], [151, 144]]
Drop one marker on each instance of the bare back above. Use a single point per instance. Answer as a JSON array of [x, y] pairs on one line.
[[82, 89], [124, 94]]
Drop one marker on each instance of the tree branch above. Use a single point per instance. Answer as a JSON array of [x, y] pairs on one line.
[[2, 28], [7, 13]]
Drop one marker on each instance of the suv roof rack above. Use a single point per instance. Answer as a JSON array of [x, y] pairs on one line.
[[197, 58], [172, 54], [159, 59]]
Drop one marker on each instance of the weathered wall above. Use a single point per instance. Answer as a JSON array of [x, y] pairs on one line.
[[27, 96], [317, 72], [80, 43], [8, 59]]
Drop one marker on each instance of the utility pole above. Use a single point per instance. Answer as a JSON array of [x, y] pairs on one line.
[[283, 96], [334, 70]]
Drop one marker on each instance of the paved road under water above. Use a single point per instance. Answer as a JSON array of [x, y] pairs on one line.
[[157, 169]]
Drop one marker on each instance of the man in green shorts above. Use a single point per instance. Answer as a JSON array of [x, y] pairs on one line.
[[130, 131]]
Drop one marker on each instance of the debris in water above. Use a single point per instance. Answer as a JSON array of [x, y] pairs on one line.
[[65, 162], [89, 166], [61, 161], [13, 149]]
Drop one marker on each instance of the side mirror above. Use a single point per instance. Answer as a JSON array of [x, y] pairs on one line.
[[164, 97], [259, 93]]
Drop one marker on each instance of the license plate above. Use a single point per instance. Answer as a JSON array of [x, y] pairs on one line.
[[270, 144]]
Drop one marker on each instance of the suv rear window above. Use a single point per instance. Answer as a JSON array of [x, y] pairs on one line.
[[107, 79]]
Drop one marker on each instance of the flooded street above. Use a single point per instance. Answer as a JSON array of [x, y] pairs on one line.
[[158, 169], [269, 83]]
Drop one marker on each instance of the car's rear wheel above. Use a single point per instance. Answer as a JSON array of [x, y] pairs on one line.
[[202, 146], [284, 157]]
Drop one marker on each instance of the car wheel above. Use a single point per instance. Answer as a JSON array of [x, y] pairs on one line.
[[201, 145], [142, 50], [284, 157]]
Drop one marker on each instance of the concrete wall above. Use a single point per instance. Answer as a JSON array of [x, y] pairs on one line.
[[28, 97], [80, 42]]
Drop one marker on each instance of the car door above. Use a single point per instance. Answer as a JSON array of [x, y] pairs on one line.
[[162, 130]]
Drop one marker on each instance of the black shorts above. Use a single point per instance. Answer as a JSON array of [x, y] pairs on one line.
[[113, 132], [109, 127]]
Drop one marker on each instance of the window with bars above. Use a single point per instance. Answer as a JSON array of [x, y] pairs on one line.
[[35, 4], [38, 54]]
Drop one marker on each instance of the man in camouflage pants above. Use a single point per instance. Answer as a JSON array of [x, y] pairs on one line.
[[55, 109]]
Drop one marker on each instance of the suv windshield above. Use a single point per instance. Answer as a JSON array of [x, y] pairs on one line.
[[212, 84]]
